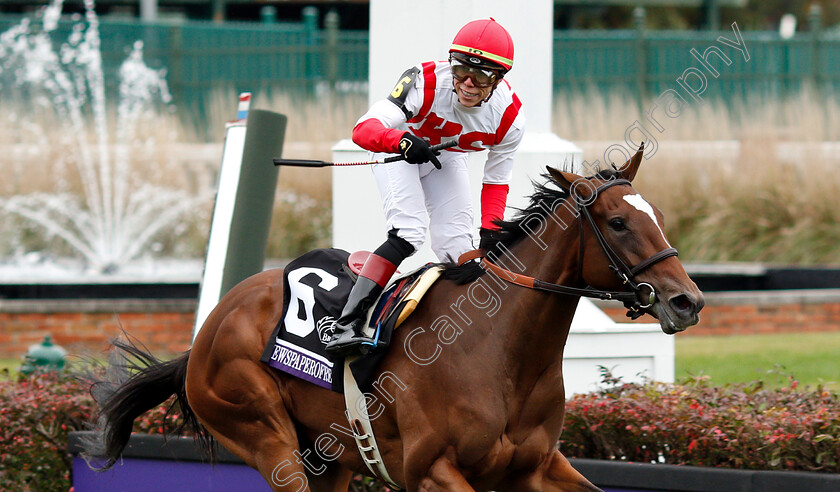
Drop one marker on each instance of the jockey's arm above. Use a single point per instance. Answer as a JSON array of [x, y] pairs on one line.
[[498, 170], [381, 128], [384, 124]]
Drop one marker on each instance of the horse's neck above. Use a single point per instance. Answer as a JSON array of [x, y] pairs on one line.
[[537, 323]]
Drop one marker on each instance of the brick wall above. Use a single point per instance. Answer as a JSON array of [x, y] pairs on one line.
[[165, 325], [745, 313], [81, 326]]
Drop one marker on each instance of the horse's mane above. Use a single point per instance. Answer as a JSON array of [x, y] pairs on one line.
[[546, 194]]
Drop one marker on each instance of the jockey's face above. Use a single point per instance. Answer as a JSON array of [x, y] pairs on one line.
[[469, 94]]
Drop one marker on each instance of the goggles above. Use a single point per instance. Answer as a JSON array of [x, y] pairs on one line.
[[481, 77]]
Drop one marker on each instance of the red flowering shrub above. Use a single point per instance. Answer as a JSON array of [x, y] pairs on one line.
[[36, 413], [160, 420], [692, 423]]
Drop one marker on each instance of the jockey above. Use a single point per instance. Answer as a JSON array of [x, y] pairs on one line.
[[464, 98]]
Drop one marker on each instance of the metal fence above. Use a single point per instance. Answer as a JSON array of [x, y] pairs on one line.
[[646, 63], [201, 57], [301, 58]]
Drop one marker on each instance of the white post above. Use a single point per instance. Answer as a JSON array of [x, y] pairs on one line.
[[148, 10]]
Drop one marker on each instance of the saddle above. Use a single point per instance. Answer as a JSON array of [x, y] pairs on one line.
[[399, 299]]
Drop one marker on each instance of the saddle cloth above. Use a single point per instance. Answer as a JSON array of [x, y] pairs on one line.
[[315, 288]]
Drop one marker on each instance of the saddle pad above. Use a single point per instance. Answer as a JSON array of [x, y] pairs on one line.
[[315, 287]]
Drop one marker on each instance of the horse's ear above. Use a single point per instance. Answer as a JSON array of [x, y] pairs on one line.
[[562, 178], [567, 182], [629, 169]]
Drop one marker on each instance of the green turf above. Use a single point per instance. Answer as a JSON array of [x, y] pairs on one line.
[[811, 358], [11, 364]]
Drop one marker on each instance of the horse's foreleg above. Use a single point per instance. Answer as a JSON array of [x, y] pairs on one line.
[[442, 477], [287, 470], [555, 475]]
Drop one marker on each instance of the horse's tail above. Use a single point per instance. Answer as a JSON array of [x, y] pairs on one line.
[[135, 382]]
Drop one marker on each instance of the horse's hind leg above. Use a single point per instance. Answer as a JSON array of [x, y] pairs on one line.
[[268, 444], [245, 411], [277, 457]]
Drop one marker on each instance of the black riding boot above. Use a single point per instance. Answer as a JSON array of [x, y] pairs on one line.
[[376, 272], [348, 329]]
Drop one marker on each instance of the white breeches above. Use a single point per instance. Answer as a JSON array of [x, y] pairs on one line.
[[420, 197]]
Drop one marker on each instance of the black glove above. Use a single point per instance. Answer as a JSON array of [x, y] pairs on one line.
[[415, 150], [490, 239]]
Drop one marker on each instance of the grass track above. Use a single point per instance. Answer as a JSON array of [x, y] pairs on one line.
[[811, 358]]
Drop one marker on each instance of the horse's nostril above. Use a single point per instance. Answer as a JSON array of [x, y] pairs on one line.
[[681, 303]]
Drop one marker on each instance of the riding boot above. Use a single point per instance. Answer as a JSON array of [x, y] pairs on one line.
[[348, 333], [376, 272]]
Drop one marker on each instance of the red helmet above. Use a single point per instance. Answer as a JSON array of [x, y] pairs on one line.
[[486, 43]]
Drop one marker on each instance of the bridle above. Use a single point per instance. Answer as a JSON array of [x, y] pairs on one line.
[[616, 264]]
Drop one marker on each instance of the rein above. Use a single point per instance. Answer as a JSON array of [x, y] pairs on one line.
[[625, 273]]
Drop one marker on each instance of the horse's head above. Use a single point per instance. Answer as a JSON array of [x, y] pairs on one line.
[[623, 246]]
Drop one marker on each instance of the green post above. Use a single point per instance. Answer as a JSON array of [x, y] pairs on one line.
[[219, 8], [815, 26], [641, 56], [176, 58], [244, 204], [255, 197], [268, 14], [711, 15], [310, 29], [309, 16], [331, 27]]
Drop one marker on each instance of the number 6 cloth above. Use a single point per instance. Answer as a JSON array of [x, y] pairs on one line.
[[315, 286]]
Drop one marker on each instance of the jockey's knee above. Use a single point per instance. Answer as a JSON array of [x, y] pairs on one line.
[[414, 236], [449, 248]]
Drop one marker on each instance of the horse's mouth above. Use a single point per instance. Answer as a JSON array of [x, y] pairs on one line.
[[671, 322]]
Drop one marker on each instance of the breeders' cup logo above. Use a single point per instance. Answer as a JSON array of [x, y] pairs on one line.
[[326, 328]]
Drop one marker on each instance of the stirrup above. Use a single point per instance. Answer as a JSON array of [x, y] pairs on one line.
[[349, 340], [346, 338], [348, 344]]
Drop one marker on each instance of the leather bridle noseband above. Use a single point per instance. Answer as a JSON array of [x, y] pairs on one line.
[[625, 274]]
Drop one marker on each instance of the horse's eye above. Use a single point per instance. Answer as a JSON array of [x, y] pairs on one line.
[[617, 224]]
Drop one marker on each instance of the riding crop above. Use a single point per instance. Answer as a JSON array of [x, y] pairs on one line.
[[314, 163]]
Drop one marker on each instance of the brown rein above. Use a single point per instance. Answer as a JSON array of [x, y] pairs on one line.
[[537, 284]]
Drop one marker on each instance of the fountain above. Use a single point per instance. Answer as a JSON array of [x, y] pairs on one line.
[[82, 179]]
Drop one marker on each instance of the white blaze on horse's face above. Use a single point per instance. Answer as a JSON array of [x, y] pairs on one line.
[[642, 205]]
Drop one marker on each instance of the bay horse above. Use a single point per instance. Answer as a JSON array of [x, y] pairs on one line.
[[470, 395]]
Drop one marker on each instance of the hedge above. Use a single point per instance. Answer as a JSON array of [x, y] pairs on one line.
[[742, 426], [691, 422]]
